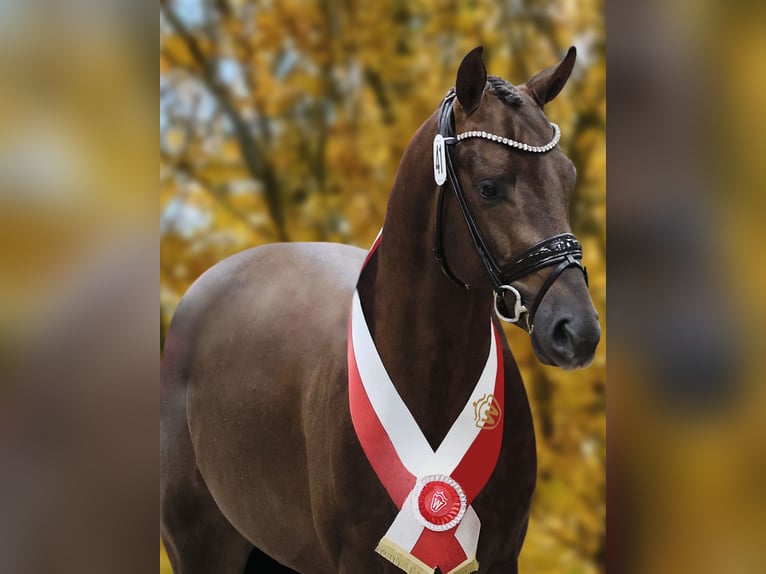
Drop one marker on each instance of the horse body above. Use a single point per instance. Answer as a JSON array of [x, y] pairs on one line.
[[264, 383], [257, 444]]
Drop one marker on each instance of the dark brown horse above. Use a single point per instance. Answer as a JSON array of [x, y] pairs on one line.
[[257, 444]]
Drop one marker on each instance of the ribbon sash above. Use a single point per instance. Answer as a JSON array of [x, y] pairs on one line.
[[435, 526]]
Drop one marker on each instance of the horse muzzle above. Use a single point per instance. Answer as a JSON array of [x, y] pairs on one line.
[[567, 330]]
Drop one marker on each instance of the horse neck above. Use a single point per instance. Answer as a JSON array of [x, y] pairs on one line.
[[432, 335]]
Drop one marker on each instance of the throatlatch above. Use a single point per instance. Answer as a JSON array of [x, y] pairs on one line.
[[562, 250]]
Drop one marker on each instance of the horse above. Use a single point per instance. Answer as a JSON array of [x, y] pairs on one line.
[[258, 450]]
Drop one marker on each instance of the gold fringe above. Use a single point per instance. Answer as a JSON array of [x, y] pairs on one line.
[[400, 558], [467, 567]]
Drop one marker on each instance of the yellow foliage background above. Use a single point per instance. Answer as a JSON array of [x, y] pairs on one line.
[[286, 119]]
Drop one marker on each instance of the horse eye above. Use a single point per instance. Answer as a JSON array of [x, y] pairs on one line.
[[487, 190]]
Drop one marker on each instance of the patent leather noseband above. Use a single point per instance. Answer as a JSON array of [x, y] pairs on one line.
[[562, 250]]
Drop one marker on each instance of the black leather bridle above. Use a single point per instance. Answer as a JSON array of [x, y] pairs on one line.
[[562, 250]]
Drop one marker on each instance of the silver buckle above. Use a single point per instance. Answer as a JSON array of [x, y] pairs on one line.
[[518, 307]]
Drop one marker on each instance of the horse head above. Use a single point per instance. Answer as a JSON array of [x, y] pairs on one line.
[[509, 229]]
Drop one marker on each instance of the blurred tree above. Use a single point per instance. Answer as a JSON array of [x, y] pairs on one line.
[[286, 119]]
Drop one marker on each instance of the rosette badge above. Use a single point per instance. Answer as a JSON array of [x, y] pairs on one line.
[[439, 502], [487, 413]]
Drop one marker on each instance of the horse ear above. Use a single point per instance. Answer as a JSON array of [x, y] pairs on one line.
[[471, 80], [547, 84]]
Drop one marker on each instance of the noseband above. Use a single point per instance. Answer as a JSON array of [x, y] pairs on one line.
[[562, 250]]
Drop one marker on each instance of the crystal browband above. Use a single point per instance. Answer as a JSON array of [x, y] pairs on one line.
[[513, 143]]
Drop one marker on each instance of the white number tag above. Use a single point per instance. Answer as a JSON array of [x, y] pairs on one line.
[[440, 160]]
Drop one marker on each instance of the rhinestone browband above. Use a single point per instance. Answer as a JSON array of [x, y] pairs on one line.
[[513, 143]]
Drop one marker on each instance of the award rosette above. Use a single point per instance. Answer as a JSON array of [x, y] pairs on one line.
[[439, 502], [436, 525]]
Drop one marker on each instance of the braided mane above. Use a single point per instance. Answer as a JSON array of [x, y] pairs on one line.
[[503, 91]]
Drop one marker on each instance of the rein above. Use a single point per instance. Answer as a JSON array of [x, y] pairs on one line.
[[562, 250]]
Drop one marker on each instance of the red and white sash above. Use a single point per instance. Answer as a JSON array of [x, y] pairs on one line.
[[436, 525]]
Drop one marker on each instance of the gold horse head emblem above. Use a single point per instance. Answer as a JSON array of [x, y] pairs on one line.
[[487, 414]]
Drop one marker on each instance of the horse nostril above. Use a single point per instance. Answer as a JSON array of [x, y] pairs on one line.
[[575, 339], [562, 336]]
